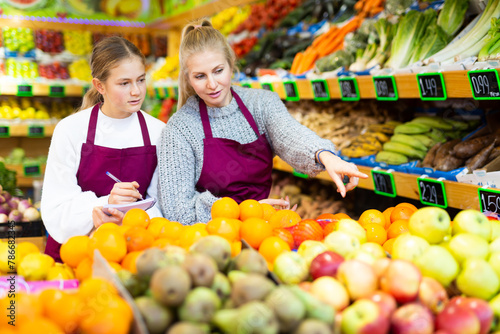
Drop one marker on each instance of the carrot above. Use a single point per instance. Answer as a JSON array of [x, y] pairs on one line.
[[324, 36], [296, 62], [308, 60]]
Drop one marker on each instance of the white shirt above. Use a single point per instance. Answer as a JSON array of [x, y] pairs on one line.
[[66, 209]]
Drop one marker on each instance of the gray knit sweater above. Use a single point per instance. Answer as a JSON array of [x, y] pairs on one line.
[[180, 151]]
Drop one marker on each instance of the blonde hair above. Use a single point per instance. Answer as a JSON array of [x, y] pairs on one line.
[[199, 36], [105, 56]]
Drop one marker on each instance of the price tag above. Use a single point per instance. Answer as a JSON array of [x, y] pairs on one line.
[[85, 89], [268, 86], [291, 91], [489, 200], [32, 170], [166, 92], [432, 192], [4, 131], [385, 88], [299, 174], [320, 90], [157, 93], [57, 91], [349, 89], [36, 131], [431, 87], [176, 91], [246, 84], [383, 183], [24, 90], [484, 84]]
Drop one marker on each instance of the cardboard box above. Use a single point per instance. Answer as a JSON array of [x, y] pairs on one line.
[[488, 176]]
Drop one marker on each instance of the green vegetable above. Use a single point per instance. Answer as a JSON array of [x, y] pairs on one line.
[[334, 60], [397, 7], [435, 39], [492, 42], [385, 32], [452, 16]]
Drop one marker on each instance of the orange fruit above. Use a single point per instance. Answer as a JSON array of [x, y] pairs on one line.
[[38, 325], [74, 250], [171, 230], [223, 227], [155, 226], [375, 233], [387, 246], [250, 208], [27, 306], [284, 218], [235, 248], [136, 217], [407, 205], [84, 269], [402, 212], [330, 228], [47, 297], [307, 229], [111, 244], [372, 216], [123, 228], [387, 215], [96, 288], [115, 266], [163, 242], [66, 312], [190, 235], [333, 216], [130, 260], [255, 230], [268, 211], [285, 235], [107, 226], [199, 227], [398, 227], [108, 315], [138, 238], [225, 207], [271, 247]]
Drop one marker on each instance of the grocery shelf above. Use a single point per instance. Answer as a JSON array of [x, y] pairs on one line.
[[24, 180], [32, 130], [459, 195], [42, 89]]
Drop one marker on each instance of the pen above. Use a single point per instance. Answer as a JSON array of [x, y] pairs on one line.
[[116, 179]]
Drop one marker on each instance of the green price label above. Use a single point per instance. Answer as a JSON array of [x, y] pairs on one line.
[[299, 174], [349, 90], [36, 131], [432, 192], [385, 88], [246, 84], [484, 84], [157, 93], [85, 89], [32, 170], [383, 183], [57, 91], [291, 91], [489, 200], [320, 89], [166, 92], [431, 87], [4, 131], [267, 86], [24, 90], [176, 91]]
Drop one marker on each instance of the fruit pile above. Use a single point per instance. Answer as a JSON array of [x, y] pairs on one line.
[[371, 141], [80, 69], [18, 39], [31, 108], [49, 41], [16, 209], [141, 41], [24, 69], [78, 42], [160, 46], [227, 20], [169, 69], [266, 15], [55, 70], [95, 307]]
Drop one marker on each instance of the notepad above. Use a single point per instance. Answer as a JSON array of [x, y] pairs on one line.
[[144, 204]]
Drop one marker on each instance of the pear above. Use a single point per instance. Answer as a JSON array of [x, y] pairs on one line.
[[188, 328], [202, 269], [250, 261], [226, 320], [235, 275], [287, 307], [313, 326], [200, 305], [249, 288], [221, 286], [315, 309], [256, 318], [156, 316], [134, 285], [216, 247], [149, 261], [170, 285]]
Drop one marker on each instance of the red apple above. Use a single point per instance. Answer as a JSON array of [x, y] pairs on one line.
[[481, 309], [358, 277], [432, 294], [385, 301], [364, 317], [412, 318], [325, 264], [454, 319], [402, 280]]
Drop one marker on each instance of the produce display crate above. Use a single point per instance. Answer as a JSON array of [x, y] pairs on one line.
[[23, 229]]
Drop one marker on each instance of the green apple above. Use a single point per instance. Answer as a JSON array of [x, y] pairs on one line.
[[478, 279], [465, 245], [494, 262], [352, 227], [330, 291], [364, 316], [375, 249], [361, 255], [291, 268], [408, 247], [309, 249], [495, 229], [495, 306], [472, 221], [438, 263], [495, 245], [341, 242], [430, 223]]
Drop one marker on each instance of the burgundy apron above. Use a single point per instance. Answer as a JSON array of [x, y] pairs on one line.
[[127, 164], [231, 169]]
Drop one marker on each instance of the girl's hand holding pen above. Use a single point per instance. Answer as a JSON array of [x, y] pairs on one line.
[[123, 192]]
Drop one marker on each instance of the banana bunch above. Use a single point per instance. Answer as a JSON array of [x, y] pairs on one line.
[[412, 140], [170, 69], [230, 18], [370, 142]]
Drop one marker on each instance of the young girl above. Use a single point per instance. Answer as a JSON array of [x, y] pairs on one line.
[[109, 133], [222, 140]]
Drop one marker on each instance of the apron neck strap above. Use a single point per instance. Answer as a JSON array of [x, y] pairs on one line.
[[93, 125], [244, 110]]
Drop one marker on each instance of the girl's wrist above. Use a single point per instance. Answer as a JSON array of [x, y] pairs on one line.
[[322, 153]]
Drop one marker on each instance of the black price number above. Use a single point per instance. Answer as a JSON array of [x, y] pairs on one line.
[[4, 131], [24, 90], [489, 200], [431, 86], [383, 183], [320, 90], [268, 86], [247, 85], [291, 91], [349, 89], [36, 131], [385, 88], [432, 192], [484, 84], [32, 170], [56, 91]]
